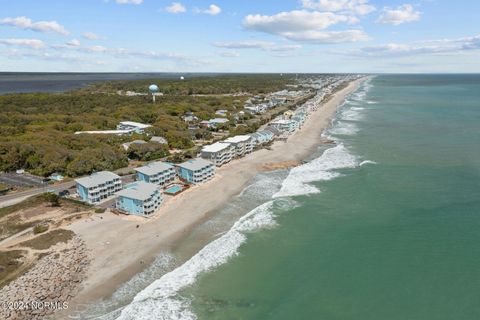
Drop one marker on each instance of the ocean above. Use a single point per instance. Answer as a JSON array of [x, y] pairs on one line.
[[383, 225]]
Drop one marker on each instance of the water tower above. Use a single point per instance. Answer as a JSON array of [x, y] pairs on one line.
[[153, 89]]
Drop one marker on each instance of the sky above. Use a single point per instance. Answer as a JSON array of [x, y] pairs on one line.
[[377, 36]]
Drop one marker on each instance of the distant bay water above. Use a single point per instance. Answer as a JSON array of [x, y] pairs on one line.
[[13, 82]]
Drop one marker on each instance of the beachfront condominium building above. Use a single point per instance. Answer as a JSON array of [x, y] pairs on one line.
[[274, 131], [219, 153], [243, 144], [196, 170], [283, 125], [159, 173], [132, 126], [98, 186], [262, 137], [139, 198]]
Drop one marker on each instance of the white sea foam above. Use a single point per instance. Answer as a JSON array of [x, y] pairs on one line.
[[161, 299], [344, 128], [367, 162], [351, 115], [319, 169]]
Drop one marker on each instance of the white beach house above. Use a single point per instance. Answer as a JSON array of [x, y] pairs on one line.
[[283, 125], [243, 144], [98, 186], [262, 137], [133, 126], [139, 198], [159, 173], [196, 170], [219, 153]]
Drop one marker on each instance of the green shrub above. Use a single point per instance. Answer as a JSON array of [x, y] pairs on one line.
[[40, 228]]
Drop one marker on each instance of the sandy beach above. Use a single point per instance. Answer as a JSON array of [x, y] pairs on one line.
[[122, 246]]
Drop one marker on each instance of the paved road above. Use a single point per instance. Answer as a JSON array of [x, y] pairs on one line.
[[10, 199], [34, 191]]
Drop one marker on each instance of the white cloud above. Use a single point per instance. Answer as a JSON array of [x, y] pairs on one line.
[[402, 14], [176, 7], [230, 54], [212, 10], [42, 55], [40, 26], [360, 7], [435, 47], [91, 36], [294, 21], [306, 26], [96, 49], [30, 43], [73, 43], [327, 37], [129, 1], [257, 44]]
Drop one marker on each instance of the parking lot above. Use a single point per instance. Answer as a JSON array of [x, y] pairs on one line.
[[20, 180]]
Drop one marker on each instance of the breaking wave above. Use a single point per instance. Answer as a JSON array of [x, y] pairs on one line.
[[162, 299], [367, 162], [344, 128], [319, 169]]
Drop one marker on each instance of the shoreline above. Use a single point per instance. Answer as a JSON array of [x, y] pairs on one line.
[[115, 262]]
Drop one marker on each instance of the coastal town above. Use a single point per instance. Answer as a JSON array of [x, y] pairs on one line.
[[158, 179], [85, 215], [150, 182]]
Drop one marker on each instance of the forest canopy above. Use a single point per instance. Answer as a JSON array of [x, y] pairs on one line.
[[37, 129]]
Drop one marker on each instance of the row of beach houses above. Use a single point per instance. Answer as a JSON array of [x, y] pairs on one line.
[[144, 196], [222, 152]]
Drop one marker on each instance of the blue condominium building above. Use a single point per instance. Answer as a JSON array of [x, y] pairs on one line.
[[196, 171], [159, 173], [139, 198], [98, 186]]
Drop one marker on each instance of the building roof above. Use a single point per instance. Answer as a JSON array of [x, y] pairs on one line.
[[138, 190], [195, 164], [157, 139], [97, 178], [154, 168], [237, 139], [216, 147], [218, 120], [281, 121], [273, 130], [105, 132], [135, 124], [127, 145], [267, 132]]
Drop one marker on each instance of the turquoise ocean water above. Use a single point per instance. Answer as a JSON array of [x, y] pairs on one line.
[[383, 225]]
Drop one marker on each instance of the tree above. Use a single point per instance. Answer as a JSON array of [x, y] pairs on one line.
[[147, 151], [52, 198]]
